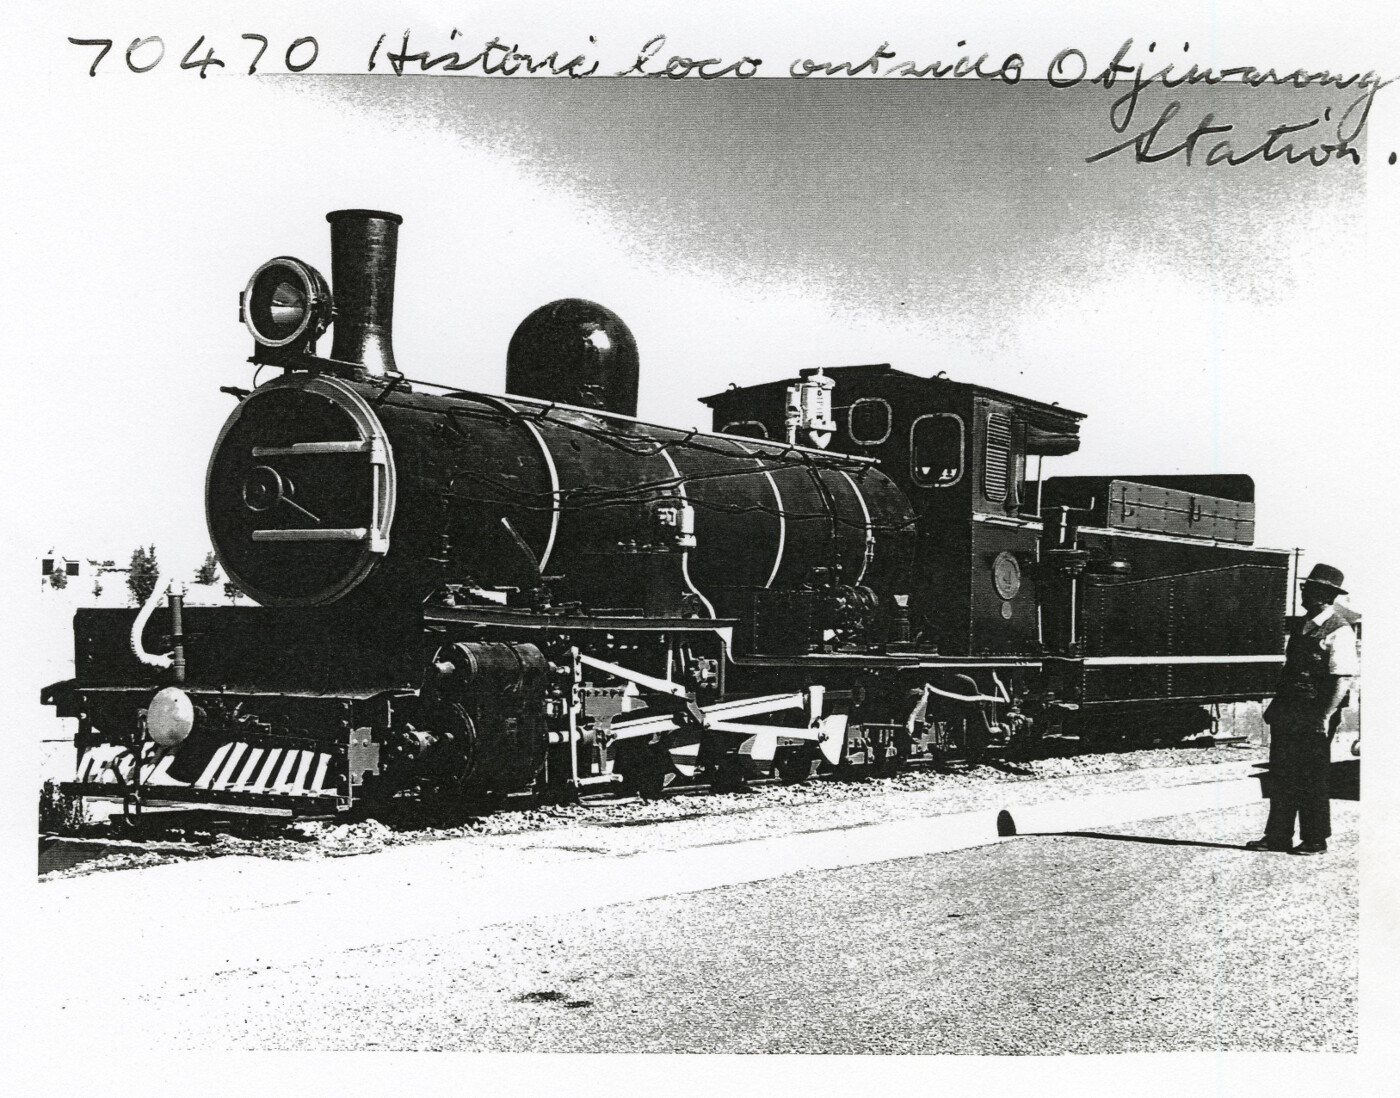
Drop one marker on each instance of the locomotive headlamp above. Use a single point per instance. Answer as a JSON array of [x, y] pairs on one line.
[[170, 716], [287, 303]]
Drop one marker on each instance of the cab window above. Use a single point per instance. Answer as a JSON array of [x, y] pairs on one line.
[[936, 450], [870, 421]]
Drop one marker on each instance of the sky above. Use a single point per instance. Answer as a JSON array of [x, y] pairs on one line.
[[1201, 317], [890, 223]]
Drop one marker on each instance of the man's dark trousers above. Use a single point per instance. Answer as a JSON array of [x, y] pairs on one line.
[[1300, 756]]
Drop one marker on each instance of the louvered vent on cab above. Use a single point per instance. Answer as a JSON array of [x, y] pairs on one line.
[[997, 467]]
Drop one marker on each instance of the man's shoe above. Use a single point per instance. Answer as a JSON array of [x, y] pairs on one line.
[[1269, 844], [1310, 848]]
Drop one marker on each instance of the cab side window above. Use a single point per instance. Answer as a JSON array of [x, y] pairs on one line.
[[936, 446], [747, 428], [870, 421]]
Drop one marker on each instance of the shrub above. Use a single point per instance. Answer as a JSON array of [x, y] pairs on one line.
[[208, 572], [141, 579], [60, 813]]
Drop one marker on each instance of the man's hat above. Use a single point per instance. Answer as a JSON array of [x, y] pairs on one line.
[[1324, 575]]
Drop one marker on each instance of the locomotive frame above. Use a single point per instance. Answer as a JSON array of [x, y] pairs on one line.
[[467, 594]]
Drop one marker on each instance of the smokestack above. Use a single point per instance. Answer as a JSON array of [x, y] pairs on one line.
[[364, 247]]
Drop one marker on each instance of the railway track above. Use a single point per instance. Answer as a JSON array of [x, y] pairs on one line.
[[163, 838]]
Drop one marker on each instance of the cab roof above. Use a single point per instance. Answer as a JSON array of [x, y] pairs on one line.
[[1049, 415]]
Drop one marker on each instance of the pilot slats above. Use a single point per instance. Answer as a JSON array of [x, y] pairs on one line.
[[266, 772], [250, 764], [114, 764], [323, 762], [303, 766], [284, 771], [283, 777], [225, 774], [206, 779]]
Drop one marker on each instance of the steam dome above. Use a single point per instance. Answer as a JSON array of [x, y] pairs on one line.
[[574, 352]]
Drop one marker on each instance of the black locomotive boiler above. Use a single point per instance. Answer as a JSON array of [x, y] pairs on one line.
[[464, 594]]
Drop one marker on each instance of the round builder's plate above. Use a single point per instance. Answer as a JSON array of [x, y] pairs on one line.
[[1006, 575]]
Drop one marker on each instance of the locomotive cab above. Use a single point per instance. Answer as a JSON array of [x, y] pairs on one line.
[[968, 458], [1121, 589]]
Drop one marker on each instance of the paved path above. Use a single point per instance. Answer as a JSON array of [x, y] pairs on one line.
[[1160, 936], [200, 934]]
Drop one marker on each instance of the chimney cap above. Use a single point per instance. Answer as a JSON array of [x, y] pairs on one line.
[[336, 215]]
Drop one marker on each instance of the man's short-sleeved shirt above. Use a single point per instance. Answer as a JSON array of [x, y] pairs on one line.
[[1340, 646]]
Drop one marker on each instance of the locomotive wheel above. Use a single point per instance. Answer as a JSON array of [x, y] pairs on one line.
[[894, 753], [885, 764], [974, 741], [727, 775], [446, 788], [1025, 742], [439, 783], [373, 801], [646, 770], [795, 765], [478, 802], [448, 804]]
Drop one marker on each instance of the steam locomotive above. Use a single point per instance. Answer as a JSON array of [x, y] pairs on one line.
[[464, 594]]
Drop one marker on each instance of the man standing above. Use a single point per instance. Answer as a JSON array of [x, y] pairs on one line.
[[1317, 675]]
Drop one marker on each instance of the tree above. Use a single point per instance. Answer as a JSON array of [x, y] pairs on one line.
[[231, 591], [208, 572], [97, 588], [144, 572], [58, 579]]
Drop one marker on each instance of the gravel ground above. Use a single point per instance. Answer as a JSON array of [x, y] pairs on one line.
[[727, 816], [1041, 945]]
